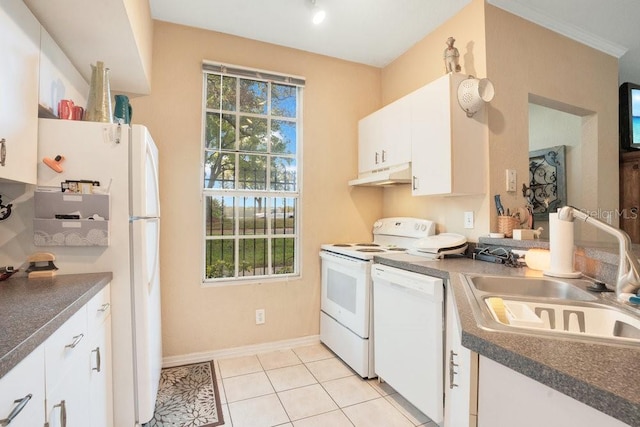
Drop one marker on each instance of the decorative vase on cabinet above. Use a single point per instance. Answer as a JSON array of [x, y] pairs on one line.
[[99, 101]]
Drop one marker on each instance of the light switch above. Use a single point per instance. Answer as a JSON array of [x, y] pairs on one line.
[[511, 180]]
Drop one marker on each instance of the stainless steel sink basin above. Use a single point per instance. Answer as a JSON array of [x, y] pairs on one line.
[[551, 307], [539, 287], [587, 320]]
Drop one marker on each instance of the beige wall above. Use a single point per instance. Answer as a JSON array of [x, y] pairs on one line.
[[524, 61], [337, 94]]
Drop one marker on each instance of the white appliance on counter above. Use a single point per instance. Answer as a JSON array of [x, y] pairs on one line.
[[346, 323], [440, 245], [124, 159], [409, 339]]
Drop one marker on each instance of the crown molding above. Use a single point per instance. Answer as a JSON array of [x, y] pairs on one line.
[[573, 32]]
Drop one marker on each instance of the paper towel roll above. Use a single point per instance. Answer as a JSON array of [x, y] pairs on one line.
[[561, 248]]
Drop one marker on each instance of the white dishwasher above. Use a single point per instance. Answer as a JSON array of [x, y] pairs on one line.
[[408, 330]]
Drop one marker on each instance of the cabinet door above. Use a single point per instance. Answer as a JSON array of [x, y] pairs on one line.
[[431, 159], [384, 137], [19, 50], [396, 143], [100, 381], [461, 374], [23, 387], [507, 398], [67, 370], [630, 195], [370, 140]]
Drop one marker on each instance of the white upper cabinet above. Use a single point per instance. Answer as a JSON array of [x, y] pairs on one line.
[[384, 137], [428, 130], [449, 149], [20, 52]]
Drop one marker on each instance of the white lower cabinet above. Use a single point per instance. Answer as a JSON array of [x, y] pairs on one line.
[[461, 374], [68, 378], [67, 373], [507, 398], [22, 392], [100, 373]]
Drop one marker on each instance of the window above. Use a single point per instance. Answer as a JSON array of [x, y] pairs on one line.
[[251, 188]]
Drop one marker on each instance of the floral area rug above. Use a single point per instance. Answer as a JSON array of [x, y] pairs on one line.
[[188, 397]]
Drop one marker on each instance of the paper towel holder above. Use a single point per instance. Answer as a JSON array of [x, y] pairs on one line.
[[556, 268]]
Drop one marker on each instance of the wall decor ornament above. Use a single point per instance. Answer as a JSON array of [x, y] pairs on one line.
[[547, 181]]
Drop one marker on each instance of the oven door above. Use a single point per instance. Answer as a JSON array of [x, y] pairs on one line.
[[346, 291]]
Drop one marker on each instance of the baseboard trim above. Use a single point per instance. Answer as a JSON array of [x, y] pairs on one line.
[[249, 350]]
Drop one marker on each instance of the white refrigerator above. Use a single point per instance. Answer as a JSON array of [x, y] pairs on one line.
[[124, 160]]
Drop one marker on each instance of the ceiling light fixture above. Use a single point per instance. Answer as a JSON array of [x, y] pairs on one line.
[[318, 13]]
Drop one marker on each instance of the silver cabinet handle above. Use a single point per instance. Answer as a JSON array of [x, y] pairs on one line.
[[104, 307], [414, 182], [97, 352], [21, 403], [76, 341], [63, 413], [377, 160], [452, 372], [384, 156], [3, 151]]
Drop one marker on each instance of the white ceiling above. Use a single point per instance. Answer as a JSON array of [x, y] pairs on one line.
[[376, 32]]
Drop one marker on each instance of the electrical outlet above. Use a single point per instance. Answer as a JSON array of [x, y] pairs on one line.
[[260, 316], [511, 180], [468, 219]]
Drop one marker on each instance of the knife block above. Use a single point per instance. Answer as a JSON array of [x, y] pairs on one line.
[[506, 224]]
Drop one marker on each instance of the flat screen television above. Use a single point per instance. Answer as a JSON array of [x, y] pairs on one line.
[[629, 116]]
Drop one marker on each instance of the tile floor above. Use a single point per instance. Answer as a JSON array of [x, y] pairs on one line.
[[307, 387]]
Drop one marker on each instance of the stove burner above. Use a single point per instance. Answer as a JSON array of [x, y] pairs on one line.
[[367, 244], [370, 250], [397, 249], [342, 245]]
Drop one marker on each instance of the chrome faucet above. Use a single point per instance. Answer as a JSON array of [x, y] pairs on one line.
[[628, 282]]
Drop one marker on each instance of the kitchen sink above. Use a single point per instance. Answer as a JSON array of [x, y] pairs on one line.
[[550, 307], [533, 287], [585, 320]]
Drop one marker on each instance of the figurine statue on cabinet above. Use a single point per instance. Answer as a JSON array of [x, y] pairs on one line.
[[451, 56]]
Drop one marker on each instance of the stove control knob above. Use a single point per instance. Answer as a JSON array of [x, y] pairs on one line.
[[377, 224], [416, 226], [424, 227]]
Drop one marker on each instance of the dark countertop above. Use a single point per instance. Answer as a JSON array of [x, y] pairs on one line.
[[32, 309], [603, 376]]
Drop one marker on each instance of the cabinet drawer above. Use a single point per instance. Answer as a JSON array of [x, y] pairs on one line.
[[67, 348], [24, 379], [99, 308]]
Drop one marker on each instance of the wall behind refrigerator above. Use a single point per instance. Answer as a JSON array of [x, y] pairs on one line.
[[337, 94], [59, 79]]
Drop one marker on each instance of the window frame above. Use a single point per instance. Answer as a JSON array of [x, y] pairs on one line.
[[268, 195]]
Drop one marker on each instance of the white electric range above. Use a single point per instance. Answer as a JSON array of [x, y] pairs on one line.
[[346, 316]]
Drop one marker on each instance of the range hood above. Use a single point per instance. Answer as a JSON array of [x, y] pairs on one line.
[[400, 174]]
